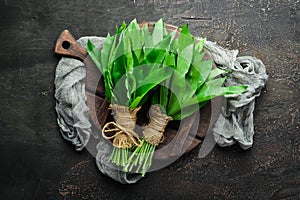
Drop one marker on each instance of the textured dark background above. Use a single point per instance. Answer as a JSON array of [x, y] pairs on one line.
[[36, 163]]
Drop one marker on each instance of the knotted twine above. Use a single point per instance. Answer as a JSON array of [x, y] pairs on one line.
[[153, 132], [123, 135]]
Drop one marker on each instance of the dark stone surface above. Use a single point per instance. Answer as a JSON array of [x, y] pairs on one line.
[[37, 164]]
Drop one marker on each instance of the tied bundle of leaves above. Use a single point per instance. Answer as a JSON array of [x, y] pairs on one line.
[[193, 83], [127, 84], [136, 62]]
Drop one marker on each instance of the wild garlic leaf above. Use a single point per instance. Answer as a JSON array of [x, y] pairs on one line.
[[130, 85], [204, 68], [235, 89], [211, 89], [148, 40], [193, 76], [184, 60], [147, 83], [164, 92], [215, 72], [200, 45], [158, 53], [118, 70], [95, 55], [128, 54], [170, 60], [185, 38], [189, 110], [105, 52], [173, 105], [122, 27], [158, 32], [185, 112], [129, 67], [108, 86], [218, 82], [111, 60], [180, 91], [103, 59], [135, 38]]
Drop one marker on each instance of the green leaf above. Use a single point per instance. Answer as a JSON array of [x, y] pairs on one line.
[[122, 28], [148, 40], [204, 69], [128, 54], [155, 97], [185, 112], [94, 53], [173, 105], [215, 83], [215, 72], [180, 91], [129, 67], [135, 38], [105, 52], [200, 45], [189, 110], [193, 77], [235, 90], [164, 92], [118, 69], [111, 60], [170, 60], [197, 71], [184, 60], [158, 32], [158, 53], [213, 88], [180, 85], [147, 83], [185, 38], [108, 86], [130, 85], [104, 59]]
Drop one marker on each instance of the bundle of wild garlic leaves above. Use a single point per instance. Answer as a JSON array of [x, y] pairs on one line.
[[137, 62]]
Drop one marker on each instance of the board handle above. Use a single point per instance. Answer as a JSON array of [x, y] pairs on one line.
[[66, 45]]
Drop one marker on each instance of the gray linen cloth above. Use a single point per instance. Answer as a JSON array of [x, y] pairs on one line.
[[73, 113], [235, 124]]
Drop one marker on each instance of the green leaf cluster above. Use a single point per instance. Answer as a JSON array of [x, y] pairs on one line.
[[131, 62], [193, 82], [135, 61]]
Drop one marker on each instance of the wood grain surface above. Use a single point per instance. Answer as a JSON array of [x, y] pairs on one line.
[[36, 163]]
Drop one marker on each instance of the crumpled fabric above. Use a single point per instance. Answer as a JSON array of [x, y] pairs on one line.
[[235, 123], [73, 113]]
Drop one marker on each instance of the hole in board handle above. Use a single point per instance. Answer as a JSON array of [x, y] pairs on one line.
[[66, 44]]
